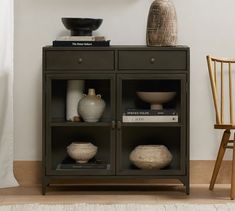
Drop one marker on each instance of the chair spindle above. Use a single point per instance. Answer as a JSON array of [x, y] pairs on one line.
[[230, 94], [222, 94]]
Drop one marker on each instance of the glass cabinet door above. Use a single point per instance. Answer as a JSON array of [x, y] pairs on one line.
[[151, 115], [71, 145]]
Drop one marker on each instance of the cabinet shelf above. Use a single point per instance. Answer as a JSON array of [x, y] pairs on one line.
[[80, 124], [81, 172], [151, 172]]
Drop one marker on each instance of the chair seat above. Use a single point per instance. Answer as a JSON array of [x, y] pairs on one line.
[[224, 126]]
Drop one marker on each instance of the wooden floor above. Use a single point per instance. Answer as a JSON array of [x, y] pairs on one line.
[[161, 194]]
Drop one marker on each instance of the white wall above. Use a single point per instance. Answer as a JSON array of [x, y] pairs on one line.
[[207, 26]]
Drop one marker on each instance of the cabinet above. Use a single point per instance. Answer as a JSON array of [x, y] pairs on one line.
[[117, 73]]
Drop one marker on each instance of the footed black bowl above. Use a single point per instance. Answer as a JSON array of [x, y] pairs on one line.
[[81, 26]]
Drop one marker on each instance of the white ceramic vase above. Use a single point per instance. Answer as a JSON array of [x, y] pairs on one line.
[[74, 94], [91, 106]]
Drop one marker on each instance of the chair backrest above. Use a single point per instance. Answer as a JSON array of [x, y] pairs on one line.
[[222, 85]]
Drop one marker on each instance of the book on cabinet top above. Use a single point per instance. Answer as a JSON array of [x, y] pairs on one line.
[[57, 43]]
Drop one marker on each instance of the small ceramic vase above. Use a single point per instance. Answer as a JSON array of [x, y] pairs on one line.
[[74, 94], [82, 152], [91, 106]]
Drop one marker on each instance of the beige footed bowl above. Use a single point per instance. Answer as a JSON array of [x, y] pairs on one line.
[[156, 99], [151, 156]]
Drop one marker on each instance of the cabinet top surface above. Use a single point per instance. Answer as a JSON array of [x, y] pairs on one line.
[[121, 47]]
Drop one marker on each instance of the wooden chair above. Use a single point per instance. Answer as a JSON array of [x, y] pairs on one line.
[[223, 88]]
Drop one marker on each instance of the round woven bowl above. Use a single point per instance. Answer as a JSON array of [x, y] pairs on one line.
[[151, 156]]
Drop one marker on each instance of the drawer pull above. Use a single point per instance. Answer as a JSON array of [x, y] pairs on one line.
[[80, 60], [152, 60]]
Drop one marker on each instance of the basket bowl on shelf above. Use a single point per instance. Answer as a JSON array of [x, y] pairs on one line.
[[151, 156], [156, 99], [82, 152], [81, 26]]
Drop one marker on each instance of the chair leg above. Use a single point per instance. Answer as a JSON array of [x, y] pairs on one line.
[[233, 172], [220, 156]]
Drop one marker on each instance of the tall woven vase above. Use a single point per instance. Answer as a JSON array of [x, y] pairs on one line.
[[162, 24]]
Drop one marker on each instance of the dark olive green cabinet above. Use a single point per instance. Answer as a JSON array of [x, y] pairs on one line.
[[116, 73]]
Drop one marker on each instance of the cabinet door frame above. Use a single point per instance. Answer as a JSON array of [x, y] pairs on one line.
[[184, 161], [47, 148]]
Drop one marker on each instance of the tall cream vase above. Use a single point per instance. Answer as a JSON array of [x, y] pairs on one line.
[[74, 94]]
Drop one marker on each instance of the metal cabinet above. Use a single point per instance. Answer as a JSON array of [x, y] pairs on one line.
[[117, 73]]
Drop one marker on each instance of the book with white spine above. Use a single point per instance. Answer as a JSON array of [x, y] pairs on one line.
[[155, 118], [148, 112]]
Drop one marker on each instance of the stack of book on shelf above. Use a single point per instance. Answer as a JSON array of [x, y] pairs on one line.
[[81, 41], [69, 164], [144, 115]]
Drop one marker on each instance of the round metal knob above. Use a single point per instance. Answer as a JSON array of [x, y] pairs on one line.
[[80, 60], [152, 60]]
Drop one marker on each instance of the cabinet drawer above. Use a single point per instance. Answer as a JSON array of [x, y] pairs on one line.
[[142, 60], [80, 60]]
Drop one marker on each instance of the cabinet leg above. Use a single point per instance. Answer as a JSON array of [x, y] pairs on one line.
[[186, 184], [44, 189], [44, 186], [187, 189]]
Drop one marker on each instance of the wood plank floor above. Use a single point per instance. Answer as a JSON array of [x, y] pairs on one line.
[[163, 194]]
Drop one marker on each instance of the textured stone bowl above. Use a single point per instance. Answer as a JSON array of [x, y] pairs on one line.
[[82, 152], [156, 99], [151, 156]]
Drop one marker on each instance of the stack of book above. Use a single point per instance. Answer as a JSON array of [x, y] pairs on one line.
[[69, 164], [144, 115], [81, 41]]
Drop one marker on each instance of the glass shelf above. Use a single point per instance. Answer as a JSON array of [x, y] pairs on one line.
[[62, 123]]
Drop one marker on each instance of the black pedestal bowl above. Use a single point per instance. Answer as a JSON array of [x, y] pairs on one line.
[[81, 26]]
